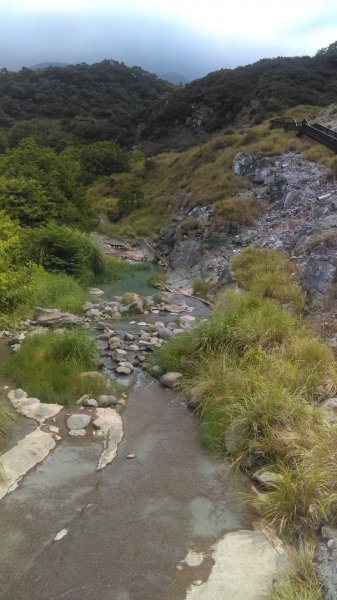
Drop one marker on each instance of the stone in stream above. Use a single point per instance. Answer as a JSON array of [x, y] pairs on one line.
[[123, 370], [165, 333], [133, 348], [93, 312], [129, 337], [171, 379], [53, 316], [119, 355], [78, 421], [136, 305], [108, 310], [96, 292], [105, 400]]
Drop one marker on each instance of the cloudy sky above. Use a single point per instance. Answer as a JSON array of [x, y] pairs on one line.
[[191, 37]]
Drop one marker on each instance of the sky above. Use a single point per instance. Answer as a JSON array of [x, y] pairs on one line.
[[191, 37]]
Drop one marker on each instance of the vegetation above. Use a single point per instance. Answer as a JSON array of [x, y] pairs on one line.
[[201, 288], [49, 366], [157, 278], [6, 419], [301, 581], [81, 103], [259, 372], [239, 211]]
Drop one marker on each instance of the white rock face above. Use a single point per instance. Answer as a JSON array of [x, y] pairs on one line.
[[111, 425], [245, 565], [32, 408], [27, 453]]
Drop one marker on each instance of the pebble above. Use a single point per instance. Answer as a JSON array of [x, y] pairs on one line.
[[61, 534], [131, 455]]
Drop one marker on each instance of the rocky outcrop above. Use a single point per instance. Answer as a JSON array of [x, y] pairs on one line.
[[300, 219]]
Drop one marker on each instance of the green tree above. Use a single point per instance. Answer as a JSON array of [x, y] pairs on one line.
[[102, 158]]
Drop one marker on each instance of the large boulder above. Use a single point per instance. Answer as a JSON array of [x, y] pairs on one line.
[[171, 379], [135, 304], [52, 317], [78, 421]]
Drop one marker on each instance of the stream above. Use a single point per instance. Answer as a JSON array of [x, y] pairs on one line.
[[167, 525]]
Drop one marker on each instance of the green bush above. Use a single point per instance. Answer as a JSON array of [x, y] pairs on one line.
[[60, 248], [49, 366]]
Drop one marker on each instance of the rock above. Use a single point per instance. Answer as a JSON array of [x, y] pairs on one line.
[[119, 355], [171, 379], [133, 348], [19, 394], [131, 455], [122, 370], [187, 320], [55, 317], [177, 331], [136, 305], [291, 198], [78, 421], [164, 333], [108, 310], [80, 400], [111, 425], [157, 371], [194, 398], [145, 345], [61, 534], [27, 453], [265, 478], [175, 308], [329, 409], [90, 402], [326, 560], [243, 162], [95, 292], [129, 337], [232, 438], [32, 408], [93, 312], [105, 400], [77, 432]]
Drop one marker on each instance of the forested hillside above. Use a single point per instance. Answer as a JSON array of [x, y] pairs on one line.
[[84, 102]]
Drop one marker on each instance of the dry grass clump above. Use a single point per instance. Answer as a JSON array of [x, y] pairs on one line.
[[321, 238], [300, 582], [239, 210], [269, 274]]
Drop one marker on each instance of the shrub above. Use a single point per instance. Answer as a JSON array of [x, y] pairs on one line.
[[60, 248], [157, 278], [201, 287], [300, 582]]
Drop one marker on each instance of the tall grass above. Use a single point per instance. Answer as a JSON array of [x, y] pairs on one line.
[[259, 371], [300, 581], [6, 420], [49, 366]]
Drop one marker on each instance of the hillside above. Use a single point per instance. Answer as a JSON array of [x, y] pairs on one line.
[[242, 96], [87, 102]]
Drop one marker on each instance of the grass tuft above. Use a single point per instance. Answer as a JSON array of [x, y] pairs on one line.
[[49, 366]]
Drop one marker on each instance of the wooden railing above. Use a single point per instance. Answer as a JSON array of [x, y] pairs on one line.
[[315, 131]]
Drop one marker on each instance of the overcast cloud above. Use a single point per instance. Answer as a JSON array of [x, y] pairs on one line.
[[190, 37]]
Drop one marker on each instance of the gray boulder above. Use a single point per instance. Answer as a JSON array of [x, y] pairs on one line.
[[171, 379], [106, 400], [164, 333], [78, 421], [55, 318]]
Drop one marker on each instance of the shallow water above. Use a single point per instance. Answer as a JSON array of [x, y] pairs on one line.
[[136, 282]]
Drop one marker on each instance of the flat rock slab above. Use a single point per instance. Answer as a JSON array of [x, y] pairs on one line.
[[110, 423], [32, 408], [53, 317], [27, 453], [245, 566]]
